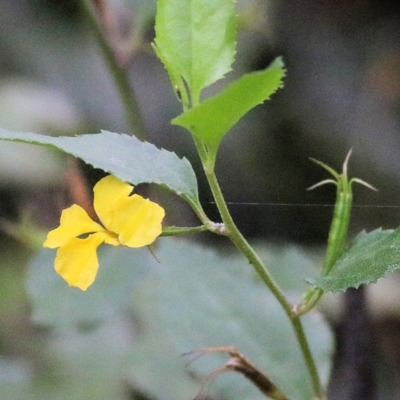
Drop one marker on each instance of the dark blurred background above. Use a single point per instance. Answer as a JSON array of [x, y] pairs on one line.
[[342, 91]]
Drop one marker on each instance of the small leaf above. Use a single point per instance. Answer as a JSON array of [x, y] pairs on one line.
[[195, 39], [213, 118], [124, 156], [372, 256]]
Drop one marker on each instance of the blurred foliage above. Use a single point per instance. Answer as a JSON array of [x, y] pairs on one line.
[[174, 307]]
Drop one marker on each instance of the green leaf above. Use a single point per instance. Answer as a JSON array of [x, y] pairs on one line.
[[57, 305], [124, 156], [86, 354], [195, 39], [158, 370], [213, 118], [212, 301], [372, 256], [193, 298], [90, 364], [125, 285]]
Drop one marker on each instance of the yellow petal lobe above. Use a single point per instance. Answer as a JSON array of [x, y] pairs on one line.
[[112, 239], [138, 222], [108, 192], [77, 262], [74, 222], [127, 220]]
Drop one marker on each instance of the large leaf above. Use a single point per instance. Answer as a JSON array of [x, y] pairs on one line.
[[195, 39], [57, 305], [90, 364], [157, 368], [212, 301], [213, 118], [372, 256], [123, 156], [125, 283], [193, 298]]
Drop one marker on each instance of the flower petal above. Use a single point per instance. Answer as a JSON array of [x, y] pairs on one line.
[[107, 192], [138, 221], [74, 221], [112, 238], [77, 262]]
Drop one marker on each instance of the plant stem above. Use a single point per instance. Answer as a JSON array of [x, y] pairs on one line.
[[244, 247], [298, 328], [119, 74], [183, 231]]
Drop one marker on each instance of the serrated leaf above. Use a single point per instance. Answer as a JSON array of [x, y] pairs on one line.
[[195, 39], [124, 156], [372, 256], [211, 301], [213, 118]]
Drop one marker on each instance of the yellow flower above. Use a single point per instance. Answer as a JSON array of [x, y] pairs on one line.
[[125, 221]]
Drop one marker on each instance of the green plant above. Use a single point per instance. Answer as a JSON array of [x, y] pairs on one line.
[[195, 40]]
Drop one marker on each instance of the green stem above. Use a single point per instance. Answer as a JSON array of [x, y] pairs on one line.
[[244, 247], [298, 328], [198, 210], [119, 74], [183, 230]]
